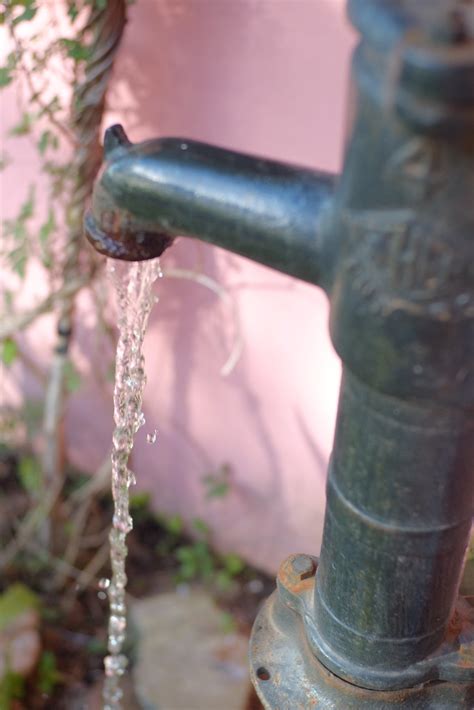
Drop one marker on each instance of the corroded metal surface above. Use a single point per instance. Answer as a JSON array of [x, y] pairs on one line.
[[287, 676], [261, 209]]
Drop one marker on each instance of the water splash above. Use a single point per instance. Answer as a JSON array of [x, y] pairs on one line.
[[152, 437], [133, 284]]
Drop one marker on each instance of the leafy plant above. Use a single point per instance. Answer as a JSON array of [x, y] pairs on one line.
[[47, 228], [199, 562], [217, 484], [29, 473], [12, 687], [48, 675]]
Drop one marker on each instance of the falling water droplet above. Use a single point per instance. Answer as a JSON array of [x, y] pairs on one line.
[[104, 583], [151, 438]]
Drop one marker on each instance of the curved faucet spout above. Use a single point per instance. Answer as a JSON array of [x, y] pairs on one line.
[[150, 192]]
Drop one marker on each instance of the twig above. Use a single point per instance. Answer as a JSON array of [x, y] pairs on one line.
[[35, 94], [29, 526], [89, 572], [224, 294], [13, 324], [98, 482]]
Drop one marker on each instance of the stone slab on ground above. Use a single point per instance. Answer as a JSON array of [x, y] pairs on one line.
[[185, 661]]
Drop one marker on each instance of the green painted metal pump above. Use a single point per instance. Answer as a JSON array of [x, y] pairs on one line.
[[378, 622]]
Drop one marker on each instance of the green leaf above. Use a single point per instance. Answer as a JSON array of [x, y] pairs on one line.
[[72, 378], [217, 484], [12, 687], [29, 473], [18, 261], [43, 142], [8, 299], [140, 501], [201, 527], [75, 49], [9, 351], [233, 564], [72, 11], [29, 12], [173, 524], [47, 228], [24, 126], [6, 72], [16, 600], [28, 207], [48, 674], [6, 76]]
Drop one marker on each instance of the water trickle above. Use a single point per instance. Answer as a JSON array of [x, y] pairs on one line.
[[133, 284], [151, 438]]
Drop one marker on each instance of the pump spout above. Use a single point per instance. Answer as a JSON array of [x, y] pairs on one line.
[[150, 192]]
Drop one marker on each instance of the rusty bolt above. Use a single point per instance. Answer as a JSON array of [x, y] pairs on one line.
[[303, 566]]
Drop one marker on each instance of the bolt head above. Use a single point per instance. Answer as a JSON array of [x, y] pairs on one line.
[[303, 566]]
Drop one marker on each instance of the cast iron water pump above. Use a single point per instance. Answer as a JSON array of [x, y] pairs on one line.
[[378, 621]]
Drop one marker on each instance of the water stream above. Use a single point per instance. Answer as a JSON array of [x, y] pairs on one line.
[[133, 285]]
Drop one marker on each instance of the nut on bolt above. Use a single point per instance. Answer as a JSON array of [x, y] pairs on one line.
[[303, 566]]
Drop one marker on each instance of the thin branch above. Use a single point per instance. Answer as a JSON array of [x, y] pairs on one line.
[[13, 324], [89, 573], [35, 94], [98, 483], [224, 294], [29, 526]]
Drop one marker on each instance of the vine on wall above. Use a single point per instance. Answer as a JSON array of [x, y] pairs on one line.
[[59, 62]]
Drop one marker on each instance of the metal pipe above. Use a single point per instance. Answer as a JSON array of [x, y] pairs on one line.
[[267, 211], [378, 622]]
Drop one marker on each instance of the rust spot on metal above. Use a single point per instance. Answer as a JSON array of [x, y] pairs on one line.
[[297, 572]]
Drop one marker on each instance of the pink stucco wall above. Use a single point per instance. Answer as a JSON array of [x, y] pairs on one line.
[[266, 77]]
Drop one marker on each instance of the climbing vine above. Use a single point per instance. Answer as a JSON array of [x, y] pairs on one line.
[[58, 67]]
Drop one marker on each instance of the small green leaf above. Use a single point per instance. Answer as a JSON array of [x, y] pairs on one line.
[[140, 501], [24, 126], [9, 351], [233, 564], [8, 299], [217, 484], [43, 142], [12, 687], [48, 674], [72, 11], [29, 12], [72, 378], [75, 49], [6, 72], [201, 527], [17, 599], [29, 473], [28, 207], [47, 228], [6, 76], [18, 261], [173, 524]]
